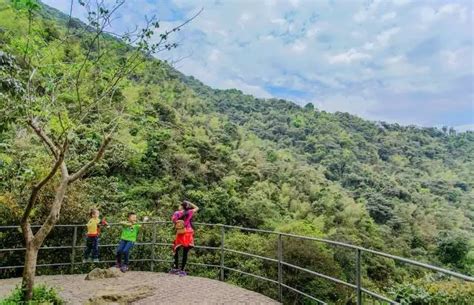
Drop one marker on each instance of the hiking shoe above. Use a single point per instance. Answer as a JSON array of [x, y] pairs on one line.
[[95, 260], [174, 271], [182, 273], [124, 268], [117, 265]]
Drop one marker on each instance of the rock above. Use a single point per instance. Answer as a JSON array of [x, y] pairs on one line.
[[98, 273], [121, 296]]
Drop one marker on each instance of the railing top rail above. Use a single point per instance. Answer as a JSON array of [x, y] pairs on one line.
[[326, 241], [72, 225]]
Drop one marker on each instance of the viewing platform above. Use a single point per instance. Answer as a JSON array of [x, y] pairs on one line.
[[144, 288]]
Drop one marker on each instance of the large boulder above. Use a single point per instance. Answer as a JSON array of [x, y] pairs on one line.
[[98, 273], [121, 296]]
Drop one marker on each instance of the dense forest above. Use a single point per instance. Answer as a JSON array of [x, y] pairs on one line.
[[263, 163]]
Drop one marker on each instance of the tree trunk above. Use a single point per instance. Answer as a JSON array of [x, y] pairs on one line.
[[29, 270], [34, 241]]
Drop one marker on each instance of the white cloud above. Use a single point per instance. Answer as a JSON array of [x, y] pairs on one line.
[[451, 10], [368, 12], [279, 21], [243, 19], [215, 55], [395, 60], [312, 32], [294, 3], [458, 59], [369, 46], [400, 66], [465, 127], [247, 88], [348, 57], [388, 16], [428, 14], [400, 2], [298, 47], [358, 105], [384, 38], [361, 16]]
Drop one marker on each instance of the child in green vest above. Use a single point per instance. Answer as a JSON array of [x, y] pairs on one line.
[[128, 238]]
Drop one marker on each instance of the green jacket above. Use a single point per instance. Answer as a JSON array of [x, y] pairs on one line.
[[129, 231]]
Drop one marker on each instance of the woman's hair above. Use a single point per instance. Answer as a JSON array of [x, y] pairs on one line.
[[92, 211], [186, 205]]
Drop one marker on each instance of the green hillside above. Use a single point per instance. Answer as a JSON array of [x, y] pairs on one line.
[[264, 163]]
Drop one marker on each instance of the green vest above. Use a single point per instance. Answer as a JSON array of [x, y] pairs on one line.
[[130, 233]]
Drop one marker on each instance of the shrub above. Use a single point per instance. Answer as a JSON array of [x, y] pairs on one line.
[[439, 293], [41, 295]]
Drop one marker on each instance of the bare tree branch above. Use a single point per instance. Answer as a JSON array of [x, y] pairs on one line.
[[99, 31], [70, 19], [39, 131], [37, 188], [172, 62]]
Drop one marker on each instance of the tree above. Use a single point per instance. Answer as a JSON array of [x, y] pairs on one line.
[[68, 100], [452, 249], [309, 107]]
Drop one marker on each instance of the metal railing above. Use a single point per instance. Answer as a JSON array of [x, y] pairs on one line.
[[280, 260]]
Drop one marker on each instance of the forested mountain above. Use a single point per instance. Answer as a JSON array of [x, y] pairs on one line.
[[265, 163]]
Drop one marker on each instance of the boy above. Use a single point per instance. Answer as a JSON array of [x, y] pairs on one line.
[[92, 237], [127, 240]]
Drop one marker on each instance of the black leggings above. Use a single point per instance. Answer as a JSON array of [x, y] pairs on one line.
[[185, 257]]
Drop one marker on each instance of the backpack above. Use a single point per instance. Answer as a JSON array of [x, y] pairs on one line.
[[179, 225]]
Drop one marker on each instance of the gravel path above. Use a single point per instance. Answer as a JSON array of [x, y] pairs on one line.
[[144, 288]]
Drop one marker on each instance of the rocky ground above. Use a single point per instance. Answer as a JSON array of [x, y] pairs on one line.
[[144, 288]]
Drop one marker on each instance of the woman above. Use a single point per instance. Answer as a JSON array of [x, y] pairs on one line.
[[184, 236]]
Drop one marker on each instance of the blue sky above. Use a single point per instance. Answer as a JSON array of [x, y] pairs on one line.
[[410, 62]]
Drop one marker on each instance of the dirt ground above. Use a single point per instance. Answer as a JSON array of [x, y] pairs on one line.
[[144, 288]]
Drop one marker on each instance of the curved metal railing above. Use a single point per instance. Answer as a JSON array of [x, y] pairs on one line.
[[280, 261]]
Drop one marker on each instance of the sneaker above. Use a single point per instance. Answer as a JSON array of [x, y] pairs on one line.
[[95, 260], [174, 271], [124, 268], [182, 273], [117, 265]]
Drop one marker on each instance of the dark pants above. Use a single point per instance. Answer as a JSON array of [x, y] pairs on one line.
[[124, 249], [185, 257], [92, 245]]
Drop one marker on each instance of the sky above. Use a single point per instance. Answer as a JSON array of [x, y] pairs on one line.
[[403, 61]]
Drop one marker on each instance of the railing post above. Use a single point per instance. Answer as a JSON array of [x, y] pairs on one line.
[[152, 265], [73, 251], [280, 269], [222, 253], [358, 277]]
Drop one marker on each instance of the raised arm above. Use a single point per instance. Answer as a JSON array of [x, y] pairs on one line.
[[126, 223], [195, 207]]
